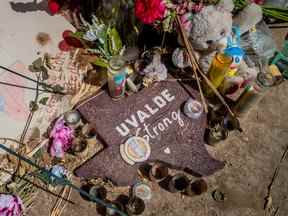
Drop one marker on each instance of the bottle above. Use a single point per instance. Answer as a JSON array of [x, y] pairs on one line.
[[250, 97], [217, 71], [117, 77]]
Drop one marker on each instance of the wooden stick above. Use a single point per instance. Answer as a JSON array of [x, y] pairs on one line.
[[192, 62], [195, 66]]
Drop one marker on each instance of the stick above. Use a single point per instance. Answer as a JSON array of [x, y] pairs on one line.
[[192, 62], [195, 66], [62, 181], [30, 88]]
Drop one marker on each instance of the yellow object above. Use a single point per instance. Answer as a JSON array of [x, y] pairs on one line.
[[274, 70], [231, 72], [217, 71]]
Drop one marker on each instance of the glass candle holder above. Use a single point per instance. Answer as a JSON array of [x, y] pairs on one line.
[[116, 77], [217, 71]]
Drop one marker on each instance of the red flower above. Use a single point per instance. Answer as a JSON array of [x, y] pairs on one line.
[[259, 2], [54, 7], [148, 11]]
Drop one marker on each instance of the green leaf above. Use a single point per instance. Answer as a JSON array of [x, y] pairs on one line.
[[78, 34], [114, 41], [57, 88], [43, 100], [31, 68], [101, 62], [44, 74], [37, 63], [33, 106]]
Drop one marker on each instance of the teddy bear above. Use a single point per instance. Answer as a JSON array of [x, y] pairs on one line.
[[209, 31]]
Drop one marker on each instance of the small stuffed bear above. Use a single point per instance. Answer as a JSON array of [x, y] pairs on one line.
[[211, 28]]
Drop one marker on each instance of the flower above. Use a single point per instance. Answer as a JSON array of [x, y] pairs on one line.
[[54, 7], [148, 11], [259, 2], [62, 137], [11, 205]]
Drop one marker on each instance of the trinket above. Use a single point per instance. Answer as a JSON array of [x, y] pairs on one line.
[[135, 150], [78, 145], [156, 70], [135, 206], [89, 133], [116, 77], [215, 134], [158, 172], [62, 137], [193, 109], [72, 118], [180, 58], [143, 191], [197, 187], [98, 191], [178, 183], [58, 171]]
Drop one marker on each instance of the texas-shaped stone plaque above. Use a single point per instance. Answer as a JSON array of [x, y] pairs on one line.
[[156, 115]]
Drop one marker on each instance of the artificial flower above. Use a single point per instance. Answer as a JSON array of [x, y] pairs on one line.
[[10, 205], [62, 137], [259, 2], [53, 6], [148, 11]]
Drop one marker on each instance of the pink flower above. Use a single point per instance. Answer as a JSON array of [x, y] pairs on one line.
[[62, 137], [148, 11]]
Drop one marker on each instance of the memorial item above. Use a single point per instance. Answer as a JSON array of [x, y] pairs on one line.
[[142, 190], [217, 71], [178, 183], [98, 192], [61, 138], [135, 206], [135, 150], [197, 187], [248, 99], [11, 205], [155, 115], [193, 109], [116, 77], [72, 119], [158, 172]]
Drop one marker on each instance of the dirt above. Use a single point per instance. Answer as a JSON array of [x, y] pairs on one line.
[[251, 158]]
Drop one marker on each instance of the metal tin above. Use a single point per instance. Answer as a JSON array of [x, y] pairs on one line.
[[72, 118], [193, 109], [142, 190], [135, 206], [158, 172], [136, 149], [197, 187], [178, 183]]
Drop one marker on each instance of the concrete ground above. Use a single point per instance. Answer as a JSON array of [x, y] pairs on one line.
[[251, 158]]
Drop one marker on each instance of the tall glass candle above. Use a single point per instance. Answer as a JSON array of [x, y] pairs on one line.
[[217, 71], [116, 77]]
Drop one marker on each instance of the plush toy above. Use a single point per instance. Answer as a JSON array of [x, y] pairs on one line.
[[211, 29]]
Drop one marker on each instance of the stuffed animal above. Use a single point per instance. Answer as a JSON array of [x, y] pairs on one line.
[[212, 27]]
